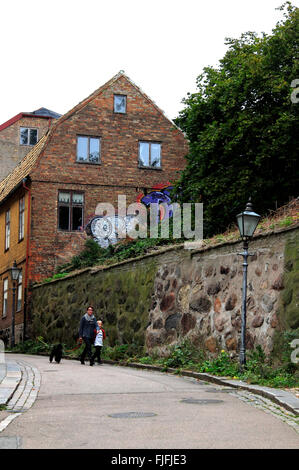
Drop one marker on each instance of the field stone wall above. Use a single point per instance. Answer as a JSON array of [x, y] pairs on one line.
[[161, 299], [121, 298]]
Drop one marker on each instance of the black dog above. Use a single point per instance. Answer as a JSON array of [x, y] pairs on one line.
[[56, 353]]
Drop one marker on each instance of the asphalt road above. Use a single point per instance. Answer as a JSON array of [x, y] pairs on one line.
[[111, 407]]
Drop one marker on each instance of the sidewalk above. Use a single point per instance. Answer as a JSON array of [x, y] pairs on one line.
[[19, 386]]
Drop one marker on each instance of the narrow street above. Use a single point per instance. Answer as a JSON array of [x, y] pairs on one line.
[[111, 407]]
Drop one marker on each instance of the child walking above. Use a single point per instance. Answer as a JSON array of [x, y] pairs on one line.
[[98, 343]]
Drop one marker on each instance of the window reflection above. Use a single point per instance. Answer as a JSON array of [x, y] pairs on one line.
[[88, 149], [120, 103], [150, 154]]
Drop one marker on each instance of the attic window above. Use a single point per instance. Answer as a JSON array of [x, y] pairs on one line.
[[120, 104], [28, 136]]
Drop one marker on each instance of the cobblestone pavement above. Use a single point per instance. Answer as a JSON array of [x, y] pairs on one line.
[[269, 407], [19, 386]]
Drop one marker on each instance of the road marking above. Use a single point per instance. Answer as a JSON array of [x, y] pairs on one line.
[[8, 420]]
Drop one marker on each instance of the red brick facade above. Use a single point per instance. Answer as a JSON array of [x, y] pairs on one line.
[[118, 173]]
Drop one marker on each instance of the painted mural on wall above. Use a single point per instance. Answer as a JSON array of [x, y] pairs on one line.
[[160, 195], [110, 229]]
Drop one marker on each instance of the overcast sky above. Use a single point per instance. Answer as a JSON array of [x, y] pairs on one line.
[[54, 54]]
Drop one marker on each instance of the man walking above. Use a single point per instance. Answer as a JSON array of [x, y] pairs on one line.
[[87, 326]]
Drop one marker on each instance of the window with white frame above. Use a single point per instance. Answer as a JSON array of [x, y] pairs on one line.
[[5, 298], [7, 230], [120, 104], [88, 149], [150, 154], [21, 217], [70, 210], [19, 291], [28, 136]]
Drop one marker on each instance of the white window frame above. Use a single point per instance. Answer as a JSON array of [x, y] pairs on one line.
[[21, 217], [149, 143], [19, 292], [116, 111], [87, 160], [28, 139], [5, 297], [7, 230]]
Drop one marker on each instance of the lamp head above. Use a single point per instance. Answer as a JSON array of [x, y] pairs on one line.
[[14, 271], [247, 221]]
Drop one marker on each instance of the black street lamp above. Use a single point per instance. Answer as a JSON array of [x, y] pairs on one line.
[[247, 223], [14, 273]]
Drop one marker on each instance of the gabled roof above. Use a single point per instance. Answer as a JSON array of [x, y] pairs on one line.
[[25, 166], [22, 170], [44, 112], [41, 112], [116, 77]]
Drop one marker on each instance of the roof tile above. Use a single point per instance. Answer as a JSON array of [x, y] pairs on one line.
[[22, 170]]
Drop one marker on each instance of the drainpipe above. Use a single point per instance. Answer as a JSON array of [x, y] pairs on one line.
[[27, 257]]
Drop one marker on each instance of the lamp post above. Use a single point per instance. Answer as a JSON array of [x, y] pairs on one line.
[[247, 223], [14, 273]]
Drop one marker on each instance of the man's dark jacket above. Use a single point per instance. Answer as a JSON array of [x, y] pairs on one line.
[[87, 327]]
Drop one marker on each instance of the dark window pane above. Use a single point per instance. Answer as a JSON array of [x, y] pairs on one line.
[[63, 218], [24, 136], [77, 218], [33, 136]]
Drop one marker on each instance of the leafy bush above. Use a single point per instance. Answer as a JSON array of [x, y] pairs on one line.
[[56, 276], [93, 254], [183, 355], [31, 346], [123, 352], [221, 365]]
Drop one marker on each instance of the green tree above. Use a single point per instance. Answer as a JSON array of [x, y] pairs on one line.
[[243, 127]]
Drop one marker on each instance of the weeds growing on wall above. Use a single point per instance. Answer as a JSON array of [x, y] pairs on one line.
[[93, 254], [31, 346]]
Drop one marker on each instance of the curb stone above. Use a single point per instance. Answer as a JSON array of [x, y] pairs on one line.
[[10, 375], [19, 386]]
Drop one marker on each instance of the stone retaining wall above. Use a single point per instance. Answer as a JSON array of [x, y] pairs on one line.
[[162, 298]]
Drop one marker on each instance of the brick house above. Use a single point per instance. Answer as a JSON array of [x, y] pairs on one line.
[[20, 133], [116, 141]]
